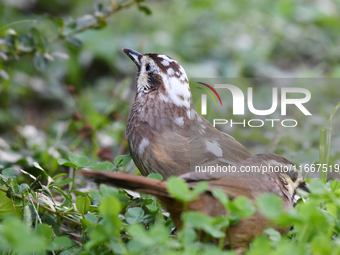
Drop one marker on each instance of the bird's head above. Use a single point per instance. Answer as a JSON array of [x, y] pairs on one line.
[[161, 77], [293, 180]]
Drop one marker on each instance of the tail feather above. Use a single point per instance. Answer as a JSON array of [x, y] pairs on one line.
[[128, 181]]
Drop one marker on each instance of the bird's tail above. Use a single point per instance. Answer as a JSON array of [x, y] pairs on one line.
[[128, 181]]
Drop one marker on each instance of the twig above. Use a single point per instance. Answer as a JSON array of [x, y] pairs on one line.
[[122, 6], [114, 10], [61, 214]]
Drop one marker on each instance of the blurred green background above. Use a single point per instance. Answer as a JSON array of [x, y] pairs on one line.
[[57, 97]]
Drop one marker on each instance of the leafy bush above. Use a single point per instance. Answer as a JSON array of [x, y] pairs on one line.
[[112, 221]]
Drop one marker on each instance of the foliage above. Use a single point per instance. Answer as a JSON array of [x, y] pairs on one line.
[[112, 221]]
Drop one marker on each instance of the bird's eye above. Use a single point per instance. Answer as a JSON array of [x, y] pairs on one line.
[[147, 67]]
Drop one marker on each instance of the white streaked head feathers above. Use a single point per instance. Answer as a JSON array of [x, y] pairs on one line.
[[174, 79]]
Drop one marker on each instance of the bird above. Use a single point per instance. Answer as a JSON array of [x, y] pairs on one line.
[[165, 133], [284, 182]]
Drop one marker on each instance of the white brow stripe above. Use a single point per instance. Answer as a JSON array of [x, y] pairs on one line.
[[166, 58]]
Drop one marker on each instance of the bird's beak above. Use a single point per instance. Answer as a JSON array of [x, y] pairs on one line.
[[134, 55]]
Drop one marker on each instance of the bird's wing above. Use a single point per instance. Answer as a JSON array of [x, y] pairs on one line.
[[248, 177], [208, 145]]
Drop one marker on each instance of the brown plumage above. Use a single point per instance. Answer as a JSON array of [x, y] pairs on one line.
[[164, 132], [234, 184]]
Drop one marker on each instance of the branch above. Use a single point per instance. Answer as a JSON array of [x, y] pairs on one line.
[[91, 25]]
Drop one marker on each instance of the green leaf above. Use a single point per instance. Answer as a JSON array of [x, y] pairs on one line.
[[273, 234], [83, 204], [321, 245], [122, 160], [16, 23], [61, 242], [179, 189], [69, 253], [62, 182], [20, 237], [201, 221], [107, 191], [9, 173], [104, 166], [76, 161], [261, 245], [144, 9], [134, 215], [91, 164], [152, 208], [65, 162], [74, 158], [49, 220], [97, 236], [110, 205], [91, 218], [333, 210], [241, 207], [36, 165], [289, 217], [270, 205], [83, 161], [335, 185], [6, 205], [62, 161], [156, 176], [27, 215], [221, 196], [45, 232], [200, 188], [74, 41], [187, 235], [59, 175], [317, 187]]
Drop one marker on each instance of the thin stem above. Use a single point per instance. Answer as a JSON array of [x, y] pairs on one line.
[[71, 185], [221, 240], [61, 214], [35, 210], [230, 241], [16, 23], [325, 144], [122, 6], [114, 10]]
